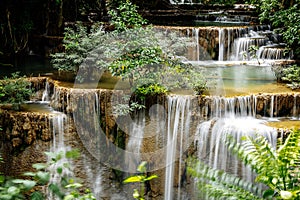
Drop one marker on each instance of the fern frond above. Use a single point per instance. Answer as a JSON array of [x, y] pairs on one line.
[[258, 153], [289, 161], [218, 184]]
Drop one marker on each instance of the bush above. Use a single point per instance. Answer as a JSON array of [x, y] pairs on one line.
[[15, 90], [292, 75]]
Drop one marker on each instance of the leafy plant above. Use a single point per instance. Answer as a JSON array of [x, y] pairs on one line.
[[278, 169], [127, 107], [66, 188], [284, 16], [252, 51], [145, 56], [15, 89], [292, 75], [126, 16], [140, 178], [78, 44]]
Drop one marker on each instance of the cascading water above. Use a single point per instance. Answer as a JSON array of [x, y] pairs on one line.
[[178, 130], [231, 116], [221, 44], [46, 93], [58, 123], [136, 135]]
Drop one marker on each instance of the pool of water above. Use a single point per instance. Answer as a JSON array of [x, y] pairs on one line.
[[231, 78], [225, 78]]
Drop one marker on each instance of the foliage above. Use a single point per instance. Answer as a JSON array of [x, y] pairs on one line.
[[284, 17], [78, 44], [126, 108], [150, 60], [144, 56], [67, 188], [140, 178], [217, 184], [278, 169], [15, 89], [292, 75], [126, 16]]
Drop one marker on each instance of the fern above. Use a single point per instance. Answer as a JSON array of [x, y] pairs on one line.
[[279, 169], [217, 184]]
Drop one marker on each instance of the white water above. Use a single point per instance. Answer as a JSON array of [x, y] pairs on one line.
[[211, 137], [136, 135], [221, 43], [58, 123], [240, 106], [178, 133], [195, 33], [235, 117], [46, 93]]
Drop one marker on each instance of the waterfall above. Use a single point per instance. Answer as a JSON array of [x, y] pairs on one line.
[[196, 35], [221, 44], [296, 112], [235, 117], [272, 52], [231, 107], [46, 92], [212, 134], [272, 106], [177, 132], [57, 123], [136, 135], [229, 42]]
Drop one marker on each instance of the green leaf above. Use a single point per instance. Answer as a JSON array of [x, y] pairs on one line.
[[39, 166], [2, 179], [74, 185], [13, 190], [136, 194], [28, 184], [56, 190], [150, 177], [43, 177], [37, 196], [268, 194], [73, 154], [59, 170], [134, 179], [69, 197], [6, 197], [29, 174]]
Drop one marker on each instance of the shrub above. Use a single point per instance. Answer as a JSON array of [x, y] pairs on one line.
[[15, 89]]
